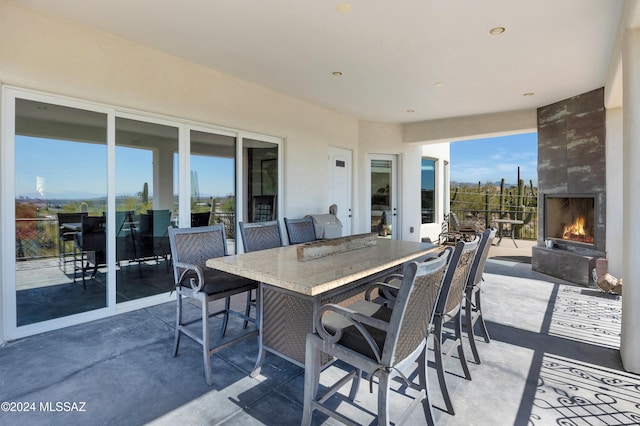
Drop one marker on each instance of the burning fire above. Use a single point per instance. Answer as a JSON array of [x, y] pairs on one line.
[[576, 232]]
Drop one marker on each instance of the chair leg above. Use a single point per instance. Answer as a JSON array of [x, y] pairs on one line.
[[383, 399], [437, 346], [311, 381], [225, 315], [205, 341], [247, 309], [458, 334], [468, 322], [483, 326], [355, 385], [176, 339], [424, 384]]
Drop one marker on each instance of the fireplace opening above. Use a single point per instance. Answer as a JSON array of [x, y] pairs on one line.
[[570, 218]]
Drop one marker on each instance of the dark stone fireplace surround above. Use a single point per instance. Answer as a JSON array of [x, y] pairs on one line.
[[571, 161]]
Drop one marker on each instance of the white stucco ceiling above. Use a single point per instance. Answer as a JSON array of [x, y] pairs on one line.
[[434, 57]]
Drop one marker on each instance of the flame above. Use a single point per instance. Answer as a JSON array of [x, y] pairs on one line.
[[574, 230]]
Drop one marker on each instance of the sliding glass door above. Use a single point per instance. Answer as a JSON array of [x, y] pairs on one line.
[[145, 207], [60, 163], [90, 191], [212, 181]]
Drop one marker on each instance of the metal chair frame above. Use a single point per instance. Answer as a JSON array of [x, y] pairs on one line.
[[259, 236], [449, 309], [190, 249], [388, 343], [472, 306]]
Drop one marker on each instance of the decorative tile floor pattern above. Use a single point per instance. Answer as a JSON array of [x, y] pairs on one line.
[[587, 315], [574, 393], [571, 392]]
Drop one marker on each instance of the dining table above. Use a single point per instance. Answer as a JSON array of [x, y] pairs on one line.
[[292, 290]]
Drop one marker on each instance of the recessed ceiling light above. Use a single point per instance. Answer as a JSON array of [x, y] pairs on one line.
[[337, 73], [528, 94], [343, 7], [497, 30], [438, 84]]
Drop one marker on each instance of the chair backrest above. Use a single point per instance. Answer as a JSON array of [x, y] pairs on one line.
[[194, 246], [455, 280], [69, 218], [263, 208], [160, 221], [477, 268], [456, 221], [92, 237], [200, 219], [300, 230], [260, 235], [418, 293], [444, 227], [121, 218]]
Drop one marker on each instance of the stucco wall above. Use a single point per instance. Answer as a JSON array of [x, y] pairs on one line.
[[50, 55]]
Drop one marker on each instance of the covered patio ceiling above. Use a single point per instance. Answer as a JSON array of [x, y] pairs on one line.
[[384, 61]]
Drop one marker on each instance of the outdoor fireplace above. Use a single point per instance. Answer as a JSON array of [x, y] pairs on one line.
[[570, 219]]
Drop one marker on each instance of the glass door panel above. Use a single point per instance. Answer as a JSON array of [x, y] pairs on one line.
[[383, 207], [145, 207], [60, 182], [213, 193], [261, 176]]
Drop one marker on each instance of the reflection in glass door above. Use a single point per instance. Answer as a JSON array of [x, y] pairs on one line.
[[261, 166], [60, 202], [213, 198], [145, 207], [383, 192]]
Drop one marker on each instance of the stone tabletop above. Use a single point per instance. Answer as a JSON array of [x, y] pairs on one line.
[[280, 267]]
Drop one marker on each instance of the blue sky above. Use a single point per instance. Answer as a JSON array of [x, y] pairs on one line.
[[491, 159], [58, 167]]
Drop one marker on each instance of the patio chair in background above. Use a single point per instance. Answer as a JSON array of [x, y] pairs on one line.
[[263, 208], [125, 236], [259, 236], [190, 249], [66, 235], [200, 219], [453, 231], [91, 245], [472, 306], [448, 308], [378, 340], [154, 241], [300, 230]]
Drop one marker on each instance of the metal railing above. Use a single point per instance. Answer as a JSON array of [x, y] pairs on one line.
[[480, 209]]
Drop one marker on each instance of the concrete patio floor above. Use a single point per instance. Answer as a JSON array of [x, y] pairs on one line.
[[554, 359]]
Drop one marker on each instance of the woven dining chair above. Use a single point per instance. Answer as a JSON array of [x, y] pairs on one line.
[[190, 249], [380, 341], [472, 306], [448, 309], [65, 235], [259, 236], [91, 245], [300, 230]]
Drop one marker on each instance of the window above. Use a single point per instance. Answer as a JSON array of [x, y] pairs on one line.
[[427, 190], [64, 169]]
